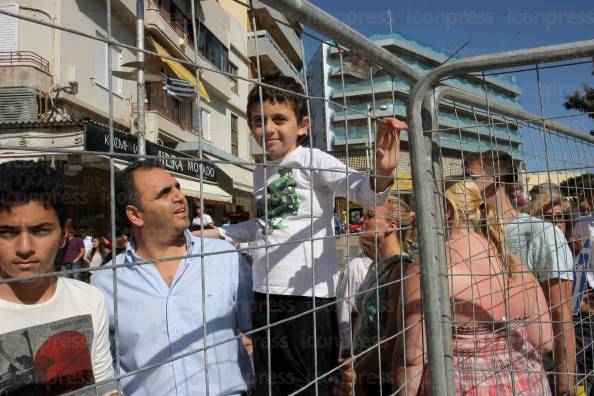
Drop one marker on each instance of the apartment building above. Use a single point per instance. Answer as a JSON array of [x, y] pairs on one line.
[[54, 90], [387, 96]]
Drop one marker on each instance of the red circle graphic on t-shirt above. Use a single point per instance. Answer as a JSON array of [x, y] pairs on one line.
[[63, 361]]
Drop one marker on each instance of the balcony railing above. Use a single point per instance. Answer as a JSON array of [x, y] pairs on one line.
[[179, 113], [177, 118], [24, 58], [264, 35], [178, 22]]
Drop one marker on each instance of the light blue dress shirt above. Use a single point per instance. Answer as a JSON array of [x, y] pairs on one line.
[[158, 322]]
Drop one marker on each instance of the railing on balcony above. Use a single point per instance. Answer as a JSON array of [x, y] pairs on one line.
[[264, 35], [209, 47], [177, 111], [175, 18], [24, 58]]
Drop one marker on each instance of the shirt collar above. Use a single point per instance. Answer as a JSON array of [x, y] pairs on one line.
[[131, 255]]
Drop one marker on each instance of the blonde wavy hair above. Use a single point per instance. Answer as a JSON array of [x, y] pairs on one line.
[[543, 203], [470, 211]]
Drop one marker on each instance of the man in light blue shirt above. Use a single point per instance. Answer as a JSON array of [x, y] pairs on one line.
[[160, 310]]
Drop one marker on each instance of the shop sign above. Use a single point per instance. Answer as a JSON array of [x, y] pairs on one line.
[[97, 139]]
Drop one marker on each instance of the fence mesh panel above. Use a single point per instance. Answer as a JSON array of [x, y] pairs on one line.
[[510, 217]]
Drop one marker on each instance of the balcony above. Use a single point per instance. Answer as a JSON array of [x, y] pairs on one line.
[[280, 27], [272, 58], [25, 69], [166, 113], [175, 29]]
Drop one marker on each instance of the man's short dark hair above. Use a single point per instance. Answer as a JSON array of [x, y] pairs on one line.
[[471, 157], [296, 102], [25, 181], [126, 191], [496, 163]]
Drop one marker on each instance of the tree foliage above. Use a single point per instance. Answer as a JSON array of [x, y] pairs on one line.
[[582, 101], [574, 184]]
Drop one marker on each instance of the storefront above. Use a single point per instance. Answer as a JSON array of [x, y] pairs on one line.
[[197, 179], [87, 180]]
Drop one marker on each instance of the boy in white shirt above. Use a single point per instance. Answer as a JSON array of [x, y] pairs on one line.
[[53, 331], [299, 185]]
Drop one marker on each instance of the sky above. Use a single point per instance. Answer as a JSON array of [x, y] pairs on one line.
[[492, 26]]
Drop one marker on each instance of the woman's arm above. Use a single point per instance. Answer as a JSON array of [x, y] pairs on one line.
[[526, 289], [409, 352]]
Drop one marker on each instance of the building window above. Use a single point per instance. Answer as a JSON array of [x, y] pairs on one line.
[[233, 71], [101, 70], [205, 117], [212, 49], [234, 136]]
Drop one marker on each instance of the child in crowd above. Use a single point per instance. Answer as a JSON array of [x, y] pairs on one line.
[[295, 199]]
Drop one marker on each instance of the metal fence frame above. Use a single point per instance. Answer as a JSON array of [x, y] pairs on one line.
[[422, 112], [422, 117]]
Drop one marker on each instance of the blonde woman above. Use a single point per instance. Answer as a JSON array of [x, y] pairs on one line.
[[548, 203], [500, 317], [386, 228]]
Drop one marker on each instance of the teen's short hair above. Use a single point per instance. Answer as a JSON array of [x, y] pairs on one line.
[[126, 191], [296, 102], [496, 163], [470, 158], [26, 181]]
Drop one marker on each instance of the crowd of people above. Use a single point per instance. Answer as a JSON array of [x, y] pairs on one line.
[[170, 312]]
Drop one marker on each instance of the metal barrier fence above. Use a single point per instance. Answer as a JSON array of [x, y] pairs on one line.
[[544, 143]]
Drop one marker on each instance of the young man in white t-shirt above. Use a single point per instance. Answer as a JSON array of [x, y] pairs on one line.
[[295, 199], [53, 331], [542, 247]]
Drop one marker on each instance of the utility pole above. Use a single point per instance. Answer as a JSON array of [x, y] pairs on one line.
[[140, 90]]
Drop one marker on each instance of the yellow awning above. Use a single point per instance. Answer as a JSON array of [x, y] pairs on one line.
[[179, 69]]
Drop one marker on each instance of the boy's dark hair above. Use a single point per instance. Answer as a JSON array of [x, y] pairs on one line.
[[497, 163], [296, 102], [25, 181], [471, 157], [126, 191]]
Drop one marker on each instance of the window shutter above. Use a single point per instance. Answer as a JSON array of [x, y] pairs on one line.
[[116, 63], [101, 63], [9, 29], [205, 124]]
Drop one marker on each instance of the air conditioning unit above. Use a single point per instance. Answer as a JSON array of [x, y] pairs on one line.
[[18, 105]]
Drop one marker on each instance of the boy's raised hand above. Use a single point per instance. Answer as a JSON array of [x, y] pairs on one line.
[[387, 149]]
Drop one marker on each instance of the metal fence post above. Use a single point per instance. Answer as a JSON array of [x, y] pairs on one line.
[[430, 123], [425, 216]]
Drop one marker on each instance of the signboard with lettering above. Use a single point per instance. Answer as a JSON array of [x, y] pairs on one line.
[[97, 139]]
